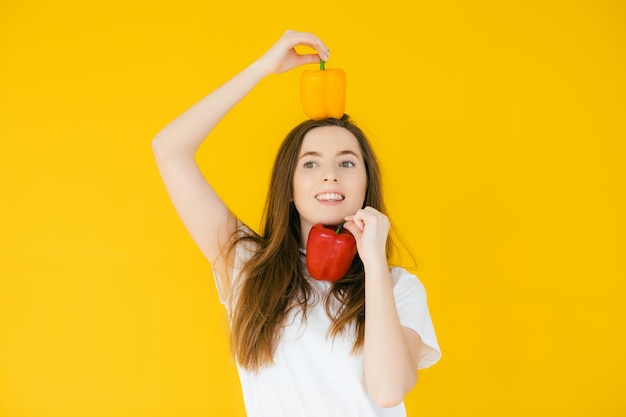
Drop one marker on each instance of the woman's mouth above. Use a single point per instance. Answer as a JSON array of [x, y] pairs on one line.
[[329, 197]]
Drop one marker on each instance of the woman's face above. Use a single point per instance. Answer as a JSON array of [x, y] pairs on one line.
[[329, 181]]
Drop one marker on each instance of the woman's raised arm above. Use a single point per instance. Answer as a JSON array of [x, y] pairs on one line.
[[202, 211]]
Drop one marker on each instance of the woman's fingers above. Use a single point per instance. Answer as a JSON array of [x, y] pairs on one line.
[[351, 227], [294, 39], [370, 228], [282, 56], [358, 222], [369, 216]]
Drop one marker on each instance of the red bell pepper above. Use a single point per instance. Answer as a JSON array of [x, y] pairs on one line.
[[329, 252]]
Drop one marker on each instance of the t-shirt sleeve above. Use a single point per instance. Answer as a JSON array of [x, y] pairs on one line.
[[412, 306]]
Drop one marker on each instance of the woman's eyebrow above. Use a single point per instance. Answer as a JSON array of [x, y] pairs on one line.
[[347, 152], [340, 153], [309, 153]]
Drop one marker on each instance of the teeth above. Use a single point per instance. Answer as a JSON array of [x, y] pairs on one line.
[[329, 196]]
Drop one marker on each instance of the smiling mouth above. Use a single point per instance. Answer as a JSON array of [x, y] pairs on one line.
[[329, 197]]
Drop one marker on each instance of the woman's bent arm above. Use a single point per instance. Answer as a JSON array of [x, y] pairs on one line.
[[390, 350], [202, 211]]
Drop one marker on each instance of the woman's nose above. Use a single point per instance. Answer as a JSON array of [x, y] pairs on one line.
[[330, 175]]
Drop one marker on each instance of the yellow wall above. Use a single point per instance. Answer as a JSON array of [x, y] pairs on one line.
[[501, 131]]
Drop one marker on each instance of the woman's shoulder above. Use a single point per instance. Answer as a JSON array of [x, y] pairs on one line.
[[245, 242], [245, 230], [401, 276]]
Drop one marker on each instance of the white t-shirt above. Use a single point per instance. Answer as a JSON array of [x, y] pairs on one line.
[[315, 375]]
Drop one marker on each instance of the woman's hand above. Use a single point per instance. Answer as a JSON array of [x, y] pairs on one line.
[[282, 56], [370, 228]]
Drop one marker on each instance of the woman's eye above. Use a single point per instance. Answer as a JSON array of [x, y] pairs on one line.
[[346, 164], [309, 164]]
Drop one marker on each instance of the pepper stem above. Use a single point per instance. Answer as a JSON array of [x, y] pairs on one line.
[[340, 227], [322, 65]]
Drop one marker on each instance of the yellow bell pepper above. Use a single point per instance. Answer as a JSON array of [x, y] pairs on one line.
[[323, 92]]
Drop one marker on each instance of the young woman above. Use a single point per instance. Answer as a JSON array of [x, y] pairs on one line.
[[304, 347]]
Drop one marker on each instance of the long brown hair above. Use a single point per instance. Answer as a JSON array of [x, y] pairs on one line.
[[274, 281]]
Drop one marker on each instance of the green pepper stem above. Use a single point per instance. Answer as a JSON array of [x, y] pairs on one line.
[[322, 65], [340, 227]]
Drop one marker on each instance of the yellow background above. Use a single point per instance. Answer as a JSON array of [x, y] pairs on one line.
[[500, 126]]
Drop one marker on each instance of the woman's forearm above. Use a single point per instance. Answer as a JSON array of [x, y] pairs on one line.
[[186, 133], [389, 369]]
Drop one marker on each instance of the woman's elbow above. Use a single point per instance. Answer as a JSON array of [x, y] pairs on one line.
[[390, 395], [165, 147], [158, 145]]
